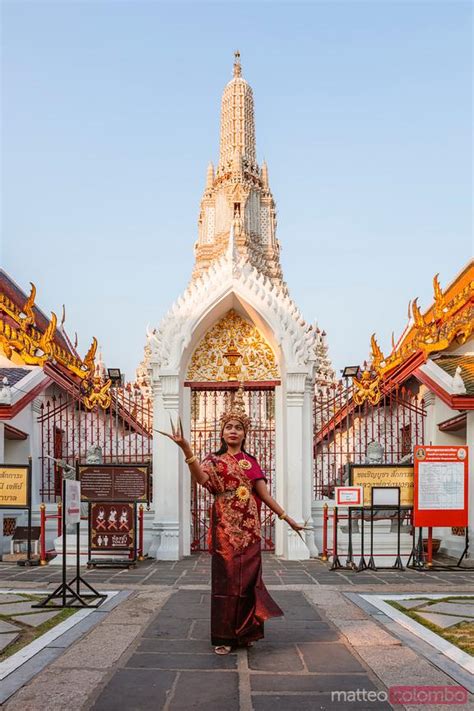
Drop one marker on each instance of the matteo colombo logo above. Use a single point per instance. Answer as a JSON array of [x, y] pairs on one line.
[[406, 695]]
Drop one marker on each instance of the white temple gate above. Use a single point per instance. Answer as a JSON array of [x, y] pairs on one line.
[[236, 321]]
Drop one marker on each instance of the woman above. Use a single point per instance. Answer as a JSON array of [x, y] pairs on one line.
[[240, 601]]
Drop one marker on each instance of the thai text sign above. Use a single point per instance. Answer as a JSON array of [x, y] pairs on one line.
[[14, 484], [112, 526], [441, 486], [369, 475], [102, 482]]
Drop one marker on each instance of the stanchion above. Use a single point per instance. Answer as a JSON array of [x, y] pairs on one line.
[[336, 563], [43, 560], [362, 564], [349, 559], [398, 561], [429, 552], [60, 519], [140, 532], [371, 564], [325, 532]]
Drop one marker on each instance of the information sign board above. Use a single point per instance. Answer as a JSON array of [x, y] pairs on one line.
[[348, 495], [378, 475], [14, 486], [110, 482], [112, 527], [441, 486]]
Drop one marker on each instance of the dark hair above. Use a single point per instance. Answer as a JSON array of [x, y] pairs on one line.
[[223, 449]]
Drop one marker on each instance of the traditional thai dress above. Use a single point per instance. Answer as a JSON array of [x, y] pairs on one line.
[[240, 601]]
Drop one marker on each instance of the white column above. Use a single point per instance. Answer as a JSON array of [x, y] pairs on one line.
[[280, 468], [308, 466], [185, 508], [295, 548], [167, 471], [470, 444]]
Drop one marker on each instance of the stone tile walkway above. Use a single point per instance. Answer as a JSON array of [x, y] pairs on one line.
[[196, 570], [302, 659], [153, 651]]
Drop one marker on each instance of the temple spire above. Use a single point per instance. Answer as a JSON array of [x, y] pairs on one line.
[[237, 119], [237, 214]]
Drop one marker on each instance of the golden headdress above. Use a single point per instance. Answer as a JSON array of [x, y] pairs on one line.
[[236, 411]]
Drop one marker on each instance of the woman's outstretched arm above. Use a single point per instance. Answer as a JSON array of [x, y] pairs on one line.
[[194, 466], [260, 488]]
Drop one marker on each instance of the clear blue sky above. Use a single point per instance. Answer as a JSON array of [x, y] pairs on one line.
[[111, 113]]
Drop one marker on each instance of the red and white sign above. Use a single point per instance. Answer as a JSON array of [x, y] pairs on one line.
[[441, 486], [73, 502], [349, 495]]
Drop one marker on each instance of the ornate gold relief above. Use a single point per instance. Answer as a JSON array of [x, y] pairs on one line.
[[231, 350], [98, 394], [445, 322], [367, 388], [33, 347]]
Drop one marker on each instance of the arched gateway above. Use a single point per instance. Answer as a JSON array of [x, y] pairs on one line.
[[235, 322]]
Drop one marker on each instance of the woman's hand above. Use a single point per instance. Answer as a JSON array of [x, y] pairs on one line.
[[177, 436], [295, 526]]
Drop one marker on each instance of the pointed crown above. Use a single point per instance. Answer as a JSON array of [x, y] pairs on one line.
[[236, 411]]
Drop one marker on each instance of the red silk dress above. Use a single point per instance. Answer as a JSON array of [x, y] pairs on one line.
[[240, 602]]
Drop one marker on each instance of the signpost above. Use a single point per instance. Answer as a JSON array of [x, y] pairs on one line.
[[70, 593]]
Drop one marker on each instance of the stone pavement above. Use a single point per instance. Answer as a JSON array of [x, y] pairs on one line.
[[153, 651]]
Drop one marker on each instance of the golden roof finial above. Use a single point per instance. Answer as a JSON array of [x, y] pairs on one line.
[[237, 65]]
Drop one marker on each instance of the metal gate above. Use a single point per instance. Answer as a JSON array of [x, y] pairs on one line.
[[344, 431], [208, 402], [68, 430]]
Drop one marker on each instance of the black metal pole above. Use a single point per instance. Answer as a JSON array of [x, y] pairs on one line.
[[78, 542], [371, 564], [398, 561], [28, 550], [64, 542], [349, 561]]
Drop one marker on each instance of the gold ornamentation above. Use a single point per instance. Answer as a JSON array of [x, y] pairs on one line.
[[446, 321], [245, 464], [24, 343], [29, 316], [99, 394], [242, 493], [237, 412], [233, 349], [367, 388]]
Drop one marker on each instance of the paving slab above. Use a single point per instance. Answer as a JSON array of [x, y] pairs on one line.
[[16, 608], [314, 702], [328, 658], [197, 691], [310, 682], [8, 597], [265, 656], [443, 621], [410, 604], [7, 638], [453, 608], [7, 627], [36, 619], [137, 689], [182, 661]]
